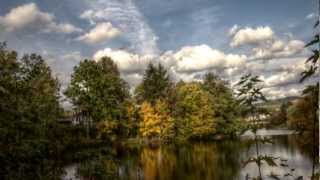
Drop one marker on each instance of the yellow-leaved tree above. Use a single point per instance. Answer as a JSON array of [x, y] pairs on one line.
[[156, 121], [107, 130], [150, 122], [166, 120]]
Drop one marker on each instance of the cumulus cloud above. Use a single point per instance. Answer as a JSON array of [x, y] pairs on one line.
[[132, 79], [275, 93], [30, 16], [265, 44], [278, 49], [277, 73], [281, 79], [250, 35], [202, 57], [100, 33], [233, 30], [188, 59], [191, 62], [127, 62], [89, 15], [62, 28]]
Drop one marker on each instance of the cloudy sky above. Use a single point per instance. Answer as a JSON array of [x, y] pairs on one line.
[[189, 37]]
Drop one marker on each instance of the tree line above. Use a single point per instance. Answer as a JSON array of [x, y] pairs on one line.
[[159, 109], [32, 140]]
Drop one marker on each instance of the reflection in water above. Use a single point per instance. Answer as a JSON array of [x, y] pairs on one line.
[[198, 161], [214, 161]]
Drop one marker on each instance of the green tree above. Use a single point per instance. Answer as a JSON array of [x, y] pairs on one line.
[[279, 116], [29, 106], [249, 94], [97, 89], [30, 95], [227, 109], [9, 70], [194, 112], [156, 84]]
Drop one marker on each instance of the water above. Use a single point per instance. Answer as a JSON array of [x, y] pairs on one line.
[[198, 161], [269, 132]]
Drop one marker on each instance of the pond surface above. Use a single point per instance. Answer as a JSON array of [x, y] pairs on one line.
[[221, 160]]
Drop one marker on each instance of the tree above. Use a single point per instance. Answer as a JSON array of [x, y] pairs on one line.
[[29, 93], [227, 109], [156, 84], [29, 106], [194, 112], [9, 70], [279, 116], [133, 119], [313, 62], [302, 117], [167, 122], [215, 85], [42, 88], [156, 121], [249, 94], [150, 125], [97, 90]]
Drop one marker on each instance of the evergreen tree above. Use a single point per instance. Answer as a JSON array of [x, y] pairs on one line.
[[227, 109], [156, 84]]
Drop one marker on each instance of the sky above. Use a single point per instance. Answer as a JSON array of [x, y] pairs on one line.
[[189, 37]]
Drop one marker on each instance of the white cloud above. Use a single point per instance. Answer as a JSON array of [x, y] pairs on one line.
[[278, 49], [62, 28], [233, 30], [282, 78], [250, 35], [277, 46], [127, 62], [72, 56], [275, 93], [132, 79], [311, 16], [89, 15], [198, 58], [187, 60], [30, 16], [100, 33], [267, 45], [62, 65], [191, 62]]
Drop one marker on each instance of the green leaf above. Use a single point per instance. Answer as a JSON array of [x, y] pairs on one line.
[[306, 74], [269, 160], [314, 41]]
